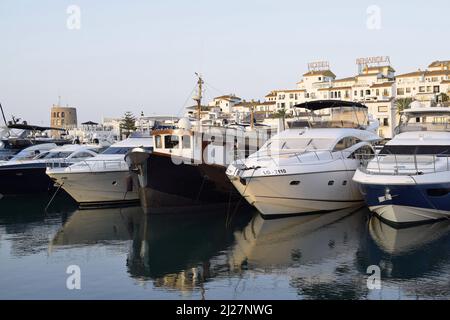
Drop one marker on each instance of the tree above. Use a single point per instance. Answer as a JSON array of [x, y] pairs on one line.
[[402, 104], [442, 97], [128, 124]]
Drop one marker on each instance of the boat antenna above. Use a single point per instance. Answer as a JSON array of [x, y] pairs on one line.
[[3, 115]]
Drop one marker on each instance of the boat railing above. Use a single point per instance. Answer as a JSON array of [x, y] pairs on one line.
[[404, 164], [92, 165], [422, 126], [304, 157]]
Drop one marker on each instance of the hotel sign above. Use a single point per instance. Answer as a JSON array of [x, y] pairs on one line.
[[318, 66]]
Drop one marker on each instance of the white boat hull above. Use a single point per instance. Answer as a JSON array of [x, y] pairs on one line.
[[99, 187], [276, 196]]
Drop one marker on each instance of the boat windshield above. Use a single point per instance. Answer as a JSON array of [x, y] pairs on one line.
[[429, 121], [299, 144], [411, 150], [26, 155], [57, 155], [122, 150], [339, 117]]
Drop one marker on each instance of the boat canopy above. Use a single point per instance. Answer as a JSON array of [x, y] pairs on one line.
[[335, 114]]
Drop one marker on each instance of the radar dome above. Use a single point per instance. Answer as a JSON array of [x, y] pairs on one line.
[[185, 124]]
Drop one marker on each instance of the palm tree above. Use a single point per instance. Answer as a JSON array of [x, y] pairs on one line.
[[402, 104]]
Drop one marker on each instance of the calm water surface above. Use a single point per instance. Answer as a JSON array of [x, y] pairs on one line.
[[124, 254]]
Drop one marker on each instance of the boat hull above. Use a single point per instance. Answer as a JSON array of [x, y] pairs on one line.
[[24, 180], [177, 184], [276, 196], [99, 188], [409, 204]]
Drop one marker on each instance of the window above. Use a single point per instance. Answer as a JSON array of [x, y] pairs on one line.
[[171, 142], [385, 92], [368, 92], [436, 89], [186, 141], [291, 96], [320, 78], [408, 90], [362, 153], [62, 121], [158, 142], [438, 192], [82, 155], [382, 109], [385, 122], [345, 143], [62, 114], [362, 93], [400, 91], [355, 93], [378, 92]]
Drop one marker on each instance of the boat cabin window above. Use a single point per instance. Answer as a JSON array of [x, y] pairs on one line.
[[171, 142], [186, 140], [345, 143], [116, 150], [57, 155], [421, 150], [362, 153], [82, 155], [158, 142]]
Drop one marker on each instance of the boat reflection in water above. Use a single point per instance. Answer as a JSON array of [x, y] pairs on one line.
[[173, 250], [295, 241], [408, 257], [319, 256]]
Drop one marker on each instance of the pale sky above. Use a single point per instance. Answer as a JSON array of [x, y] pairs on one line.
[[142, 55]]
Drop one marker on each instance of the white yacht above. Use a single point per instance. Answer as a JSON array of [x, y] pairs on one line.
[[409, 180], [25, 173], [104, 179], [309, 170]]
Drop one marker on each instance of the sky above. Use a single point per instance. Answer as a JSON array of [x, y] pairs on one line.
[[142, 55]]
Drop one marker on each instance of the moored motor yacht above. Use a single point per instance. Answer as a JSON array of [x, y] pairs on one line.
[[309, 170], [17, 137], [409, 180], [103, 180], [22, 175]]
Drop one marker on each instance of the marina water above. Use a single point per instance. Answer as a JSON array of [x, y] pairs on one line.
[[221, 253]]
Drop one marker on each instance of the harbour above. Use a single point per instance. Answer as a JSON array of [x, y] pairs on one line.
[[230, 156], [126, 255]]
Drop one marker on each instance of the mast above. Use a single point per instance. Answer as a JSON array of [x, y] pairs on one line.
[[198, 98], [3, 114], [252, 115]]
